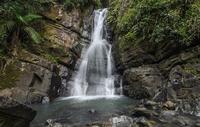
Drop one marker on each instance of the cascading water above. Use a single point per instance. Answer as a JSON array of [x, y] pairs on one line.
[[92, 87], [94, 76]]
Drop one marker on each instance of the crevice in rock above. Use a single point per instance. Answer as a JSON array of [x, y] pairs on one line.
[[26, 61], [34, 79], [178, 52], [66, 28], [10, 115]]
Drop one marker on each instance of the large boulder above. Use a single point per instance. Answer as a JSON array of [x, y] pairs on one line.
[[14, 114], [142, 82]]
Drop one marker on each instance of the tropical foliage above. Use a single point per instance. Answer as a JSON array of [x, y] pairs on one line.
[[156, 21], [16, 19], [20, 20], [69, 4]]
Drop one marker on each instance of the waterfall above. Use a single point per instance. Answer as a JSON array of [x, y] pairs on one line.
[[95, 73]]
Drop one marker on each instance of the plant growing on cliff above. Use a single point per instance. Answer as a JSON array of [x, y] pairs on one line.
[[70, 4], [17, 18], [156, 21]]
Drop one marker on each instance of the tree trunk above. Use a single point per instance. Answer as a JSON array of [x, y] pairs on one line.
[[14, 43]]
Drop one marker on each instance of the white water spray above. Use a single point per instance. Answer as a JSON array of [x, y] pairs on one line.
[[95, 74]]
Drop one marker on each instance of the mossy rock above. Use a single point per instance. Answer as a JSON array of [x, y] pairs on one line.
[[192, 70], [9, 76]]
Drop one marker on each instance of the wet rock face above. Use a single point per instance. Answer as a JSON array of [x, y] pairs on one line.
[[13, 114], [178, 72], [56, 83], [142, 82]]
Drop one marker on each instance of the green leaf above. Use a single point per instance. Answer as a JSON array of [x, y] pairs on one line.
[[28, 18], [21, 19], [9, 25], [34, 35], [5, 28], [31, 17]]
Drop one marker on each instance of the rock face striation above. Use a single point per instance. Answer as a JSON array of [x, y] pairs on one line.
[[150, 65], [156, 61], [142, 82], [39, 72]]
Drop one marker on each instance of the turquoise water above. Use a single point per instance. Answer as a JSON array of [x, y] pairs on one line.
[[79, 111]]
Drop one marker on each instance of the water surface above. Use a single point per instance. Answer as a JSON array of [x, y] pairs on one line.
[[79, 111]]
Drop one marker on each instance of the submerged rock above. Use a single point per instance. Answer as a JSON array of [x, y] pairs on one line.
[[14, 114]]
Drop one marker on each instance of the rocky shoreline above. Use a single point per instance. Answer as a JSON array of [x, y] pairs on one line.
[[144, 114]]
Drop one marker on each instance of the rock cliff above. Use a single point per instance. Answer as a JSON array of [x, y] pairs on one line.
[[156, 48], [38, 72]]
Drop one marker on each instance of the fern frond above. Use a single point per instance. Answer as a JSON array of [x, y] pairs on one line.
[[31, 17], [34, 35], [5, 28], [9, 25]]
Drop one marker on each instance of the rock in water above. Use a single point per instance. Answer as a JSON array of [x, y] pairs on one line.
[[92, 111], [14, 114], [121, 121], [45, 100], [52, 123]]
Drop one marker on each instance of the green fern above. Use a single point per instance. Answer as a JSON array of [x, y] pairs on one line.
[[17, 16], [35, 36], [31, 17]]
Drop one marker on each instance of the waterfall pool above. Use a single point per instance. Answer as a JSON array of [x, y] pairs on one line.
[[92, 87], [80, 111]]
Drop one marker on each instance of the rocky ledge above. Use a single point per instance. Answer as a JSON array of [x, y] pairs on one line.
[[14, 114], [151, 114]]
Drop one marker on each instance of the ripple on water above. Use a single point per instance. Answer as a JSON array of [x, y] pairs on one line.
[[77, 110]]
